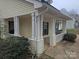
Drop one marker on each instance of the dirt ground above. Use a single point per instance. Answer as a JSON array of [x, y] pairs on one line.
[[63, 50]]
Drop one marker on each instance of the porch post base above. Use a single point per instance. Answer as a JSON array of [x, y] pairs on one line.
[[54, 44], [37, 46], [40, 47]]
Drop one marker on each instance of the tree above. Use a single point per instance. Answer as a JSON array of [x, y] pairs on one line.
[[73, 11], [64, 11]]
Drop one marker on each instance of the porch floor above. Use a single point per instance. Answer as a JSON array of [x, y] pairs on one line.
[[63, 50]]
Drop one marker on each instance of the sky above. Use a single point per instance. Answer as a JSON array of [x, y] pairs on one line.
[[67, 4]]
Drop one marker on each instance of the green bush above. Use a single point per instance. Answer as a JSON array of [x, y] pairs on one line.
[[14, 48], [70, 37], [75, 31]]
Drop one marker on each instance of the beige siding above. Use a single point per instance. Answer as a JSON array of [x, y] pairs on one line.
[[11, 8], [26, 26], [25, 23]]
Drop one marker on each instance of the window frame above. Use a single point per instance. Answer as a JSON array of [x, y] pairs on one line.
[[58, 27], [45, 28], [10, 25]]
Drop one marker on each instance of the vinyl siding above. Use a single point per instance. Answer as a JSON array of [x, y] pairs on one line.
[[11, 8], [25, 23], [26, 26]]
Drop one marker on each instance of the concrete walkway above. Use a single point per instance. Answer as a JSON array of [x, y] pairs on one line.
[[64, 50]]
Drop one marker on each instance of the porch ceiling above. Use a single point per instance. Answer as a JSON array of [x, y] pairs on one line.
[[53, 11]]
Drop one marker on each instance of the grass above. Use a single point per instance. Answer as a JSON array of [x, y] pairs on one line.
[[75, 31]]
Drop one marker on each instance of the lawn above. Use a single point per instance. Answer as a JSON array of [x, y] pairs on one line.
[[75, 31]]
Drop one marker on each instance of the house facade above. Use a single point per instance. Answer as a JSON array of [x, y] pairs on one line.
[[72, 23], [37, 20]]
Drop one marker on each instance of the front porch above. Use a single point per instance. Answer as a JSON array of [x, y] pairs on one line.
[[39, 28]]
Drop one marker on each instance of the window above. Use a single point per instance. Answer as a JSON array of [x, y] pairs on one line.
[[58, 27], [45, 28], [11, 27]]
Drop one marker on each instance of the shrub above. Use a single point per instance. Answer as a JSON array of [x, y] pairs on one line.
[[14, 48], [70, 37], [75, 31]]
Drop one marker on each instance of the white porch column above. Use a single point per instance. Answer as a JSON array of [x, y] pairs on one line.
[[16, 26], [37, 29], [33, 26], [33, 39], [52, 33], [40, 40], [64, 27]]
